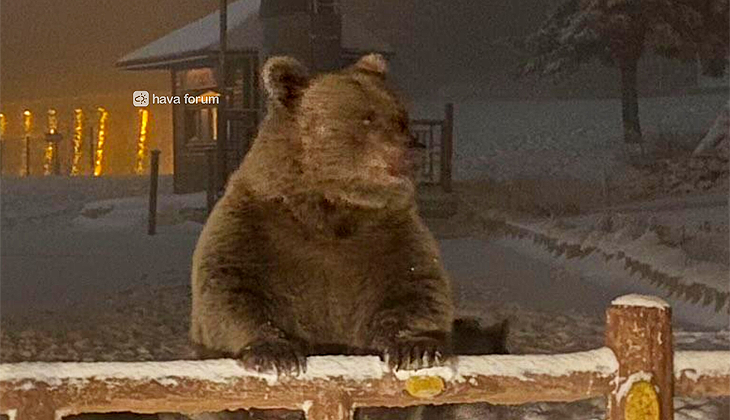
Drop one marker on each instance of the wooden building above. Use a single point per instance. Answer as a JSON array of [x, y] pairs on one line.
[[314, 31]]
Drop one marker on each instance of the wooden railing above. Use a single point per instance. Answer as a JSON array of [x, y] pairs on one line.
[[636, 370], [437, 140]]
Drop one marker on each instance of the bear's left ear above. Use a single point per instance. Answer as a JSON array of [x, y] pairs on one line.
[[373, 63], [284, 79]]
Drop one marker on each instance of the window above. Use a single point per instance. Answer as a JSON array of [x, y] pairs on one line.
[[201, 126]]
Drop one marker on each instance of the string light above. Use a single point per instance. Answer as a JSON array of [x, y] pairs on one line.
[[27, 128], [77, 140], [52, 124], [100, 139], [142, 141], [27, 122], [3, 125]]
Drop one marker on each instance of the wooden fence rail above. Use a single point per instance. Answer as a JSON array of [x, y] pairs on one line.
[[334, 386]]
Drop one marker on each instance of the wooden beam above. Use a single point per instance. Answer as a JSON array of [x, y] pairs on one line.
[[702, 373], [331, 383]]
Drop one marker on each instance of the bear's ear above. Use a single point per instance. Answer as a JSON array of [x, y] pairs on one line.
[[373, 63], [284, 79]]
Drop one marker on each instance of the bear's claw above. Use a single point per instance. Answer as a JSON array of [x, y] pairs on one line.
[[281, 356], [415, 353]]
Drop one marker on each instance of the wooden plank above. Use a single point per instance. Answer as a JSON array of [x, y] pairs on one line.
[[214, 385], [702, 374]]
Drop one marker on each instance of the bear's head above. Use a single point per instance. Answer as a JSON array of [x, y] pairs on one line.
[[345, 134]]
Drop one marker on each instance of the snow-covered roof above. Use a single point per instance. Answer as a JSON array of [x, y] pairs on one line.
[[245, 33]]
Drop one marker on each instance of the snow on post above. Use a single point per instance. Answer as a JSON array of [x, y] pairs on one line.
[[639, 331]]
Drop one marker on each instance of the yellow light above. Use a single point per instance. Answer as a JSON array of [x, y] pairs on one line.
[[27, 122], [27, 128], [48, 158], [52, 121], [100, 139], [142, 141], [3, 125], [52, 124], [78, 139]]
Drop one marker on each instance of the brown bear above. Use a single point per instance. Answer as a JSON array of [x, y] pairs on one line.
[[316, 246]]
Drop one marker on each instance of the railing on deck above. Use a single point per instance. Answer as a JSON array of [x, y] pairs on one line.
[[636, 370], [437, 139]]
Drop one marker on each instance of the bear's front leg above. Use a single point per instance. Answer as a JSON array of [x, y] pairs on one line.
[[233, 319], [412, 332]]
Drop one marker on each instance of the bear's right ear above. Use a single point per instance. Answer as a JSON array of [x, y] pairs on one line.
[[284, 79]]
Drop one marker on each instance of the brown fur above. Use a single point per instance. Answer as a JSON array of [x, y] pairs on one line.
[[316, 246]]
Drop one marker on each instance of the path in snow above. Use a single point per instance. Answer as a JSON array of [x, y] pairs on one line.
[[51, 269], [117, 294], [482, 268]]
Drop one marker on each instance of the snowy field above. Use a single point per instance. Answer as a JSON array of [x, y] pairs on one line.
[[82, 281], [561, 139]]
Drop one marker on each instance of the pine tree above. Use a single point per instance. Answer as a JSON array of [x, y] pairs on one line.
[[617, 33]]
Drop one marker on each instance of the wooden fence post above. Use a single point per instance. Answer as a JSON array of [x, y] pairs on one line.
[[331, 407], [606, 187], [27, 155], [154, 172], [447, 146], [639, 331]]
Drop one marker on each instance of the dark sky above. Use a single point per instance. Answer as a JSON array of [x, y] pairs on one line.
[[53, 48], [68, 48]]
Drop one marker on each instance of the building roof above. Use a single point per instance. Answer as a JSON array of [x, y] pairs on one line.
[[245, 34]]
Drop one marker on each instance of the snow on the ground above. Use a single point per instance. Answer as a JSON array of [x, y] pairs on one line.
[[680, 254], [79, 250], [576, 139], [132, 212], [36, 200]]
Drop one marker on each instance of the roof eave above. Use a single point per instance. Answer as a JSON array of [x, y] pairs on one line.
[[168, 62], [358, 52]]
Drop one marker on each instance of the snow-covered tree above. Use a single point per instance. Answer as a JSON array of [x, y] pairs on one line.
[[617, 32]]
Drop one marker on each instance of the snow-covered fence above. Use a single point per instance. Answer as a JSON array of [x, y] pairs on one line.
[[634, 370]]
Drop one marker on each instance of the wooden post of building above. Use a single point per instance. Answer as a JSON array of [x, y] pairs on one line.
[[222, 131], [57, 158], [27, 155], [639, 331], [154, 171], [211, 190], [447, 147]]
